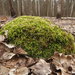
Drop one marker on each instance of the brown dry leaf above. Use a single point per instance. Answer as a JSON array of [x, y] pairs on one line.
[[7, 56], [19, 71], [20, 51], [3, 70], [22, 71], [3, 49], [9, 45], [2, 38], [12, 71], [20, 61], [16, 62], [41, 68], [3, 18], [1, 52], [30, 62], [66, 63]]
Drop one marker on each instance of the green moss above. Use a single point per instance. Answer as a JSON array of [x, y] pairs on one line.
[[38, 37]]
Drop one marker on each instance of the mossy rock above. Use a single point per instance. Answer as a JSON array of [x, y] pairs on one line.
[[38, 37]]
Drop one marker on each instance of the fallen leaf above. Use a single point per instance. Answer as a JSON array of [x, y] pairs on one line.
[[2, 38], [12, 71], [3, 70], [9, 45], [7, 56], [20, 51], [41, 68], [22, 71]]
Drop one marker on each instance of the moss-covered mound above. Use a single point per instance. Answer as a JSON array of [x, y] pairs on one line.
[[38, 37]]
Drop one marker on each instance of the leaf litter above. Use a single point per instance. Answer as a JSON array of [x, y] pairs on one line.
[[15, 61]]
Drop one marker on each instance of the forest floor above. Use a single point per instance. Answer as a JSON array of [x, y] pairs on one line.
[[14, 61], [66, 23]]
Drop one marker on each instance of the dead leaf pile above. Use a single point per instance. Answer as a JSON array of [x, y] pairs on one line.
[[15, 61]]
